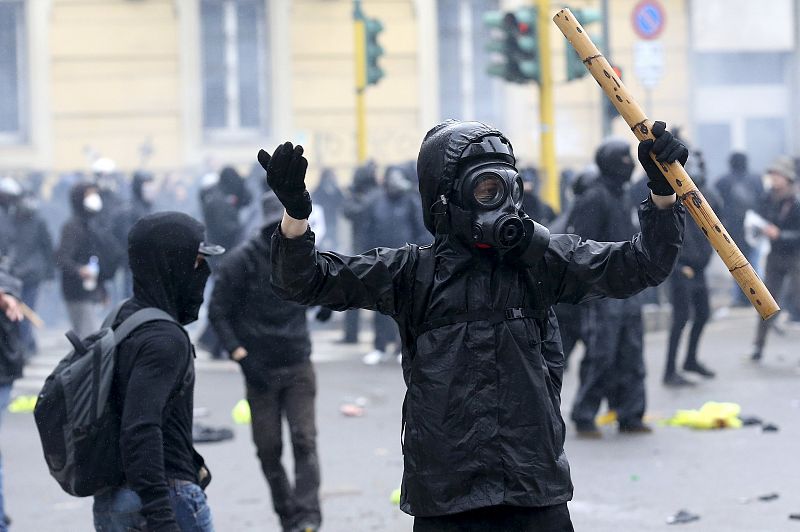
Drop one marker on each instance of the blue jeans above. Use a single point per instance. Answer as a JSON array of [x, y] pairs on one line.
[[118, 510], [5, 397]]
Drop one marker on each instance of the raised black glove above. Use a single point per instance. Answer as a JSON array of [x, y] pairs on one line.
[[667, 149], [286, 174], [323, 314]]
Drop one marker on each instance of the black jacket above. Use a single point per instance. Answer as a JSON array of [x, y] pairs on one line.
[[32, 253], [696, 251], [483, 419], [80, 240], [603, 213], [11, 352], [246, 312], [785, 215], [393, 221]]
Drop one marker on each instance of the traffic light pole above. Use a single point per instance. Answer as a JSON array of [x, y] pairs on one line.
[[361, 81], [546, 108]]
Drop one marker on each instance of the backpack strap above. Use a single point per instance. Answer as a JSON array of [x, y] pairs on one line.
[[113, 315], [492, 316], [139, 318]]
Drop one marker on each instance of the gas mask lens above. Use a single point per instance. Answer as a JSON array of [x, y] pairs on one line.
[[516, 192], [489, 190]]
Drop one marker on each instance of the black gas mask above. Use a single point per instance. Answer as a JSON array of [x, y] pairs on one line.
[[485, 206]]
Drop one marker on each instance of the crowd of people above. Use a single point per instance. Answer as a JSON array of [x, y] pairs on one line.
[[115, 244]]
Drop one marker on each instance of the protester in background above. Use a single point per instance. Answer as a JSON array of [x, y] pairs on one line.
[[143, 193], [32, 259], [11, 358], [688, 289], [10, 193], [356, 209], [87, 255], [613, 366], [154, 384], [739, 191], [781, 208], [269, 338], [393, 221], [108, 182], [532, 204], [330, 197]]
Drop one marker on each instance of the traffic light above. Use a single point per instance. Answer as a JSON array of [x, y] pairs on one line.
[[575, 67], [513, 45], [372, 28]]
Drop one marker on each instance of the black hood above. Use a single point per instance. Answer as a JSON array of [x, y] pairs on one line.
[[615, 162], [439, 156], [76, 194], [162, 250]]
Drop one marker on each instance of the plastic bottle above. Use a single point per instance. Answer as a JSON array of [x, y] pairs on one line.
[[90, 283]]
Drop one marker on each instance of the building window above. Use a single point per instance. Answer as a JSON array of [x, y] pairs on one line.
[[466, 91], [13, 103], [235, 59]]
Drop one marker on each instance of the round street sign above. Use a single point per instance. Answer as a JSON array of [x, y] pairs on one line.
[[648, 19]]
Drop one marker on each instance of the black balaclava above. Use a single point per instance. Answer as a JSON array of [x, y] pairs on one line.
[[614, 160], [470, 189], [738, 163], [162, 250], [231, 183]]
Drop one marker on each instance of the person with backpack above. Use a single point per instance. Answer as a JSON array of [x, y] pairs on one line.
[[269, 339], [483, 437], [115, 416]]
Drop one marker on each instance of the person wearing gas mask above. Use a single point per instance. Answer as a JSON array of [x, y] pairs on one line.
[[31, 259], [613, 365], [393, 221], [87, 256], [688, 291], [154, 384], [483, 435]]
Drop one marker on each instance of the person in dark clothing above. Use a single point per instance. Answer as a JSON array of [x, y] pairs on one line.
[[356, 209], [688, 289], [331, 198], [87, 256], [481, 349], [153, 385], [270, 340], [32, 259], [393, 221], [781, 208], [532, 204], [11, 356], [740, 191], [140, 205], [613, 365]]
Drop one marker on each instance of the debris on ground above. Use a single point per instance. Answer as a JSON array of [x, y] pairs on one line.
[[395, 497], [606, 419], [205, 434], [711, 415], [794, 516], [770, 427], [748, 421], [683, 516], [769, 497], [241, 412]]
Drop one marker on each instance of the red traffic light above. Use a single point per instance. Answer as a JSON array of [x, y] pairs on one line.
[[524, 27]]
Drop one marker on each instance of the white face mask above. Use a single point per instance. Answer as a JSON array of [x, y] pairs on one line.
[[93, 203], [149, 191]]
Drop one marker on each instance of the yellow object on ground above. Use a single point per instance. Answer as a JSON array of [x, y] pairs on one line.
[[241, 412], [606, 419], [711, 415], [395, 498], [23, 404]]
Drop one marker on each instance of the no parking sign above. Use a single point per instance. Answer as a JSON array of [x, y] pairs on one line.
[[648, 19]]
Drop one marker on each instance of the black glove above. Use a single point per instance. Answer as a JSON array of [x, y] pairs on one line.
[[323, 314], [286, 174], [667, 149]]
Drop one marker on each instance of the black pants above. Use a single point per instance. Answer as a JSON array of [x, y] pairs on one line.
[[385, 331], [779, 270], [500, 519], [613, 366], [689, 297], [289, 392], [569, 324]]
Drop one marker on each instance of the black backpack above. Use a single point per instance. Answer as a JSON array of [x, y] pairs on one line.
[[78, 426]]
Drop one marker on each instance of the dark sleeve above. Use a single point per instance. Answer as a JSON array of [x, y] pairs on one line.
[[589, 216], [370, 281], [586, 270], [227, 294], [46, 241], [159, 367], [10, 285], [66, 250]]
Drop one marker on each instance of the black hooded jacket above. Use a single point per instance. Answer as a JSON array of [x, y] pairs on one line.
[[11, 353], [80, 240], [482, 410], [154, 385]]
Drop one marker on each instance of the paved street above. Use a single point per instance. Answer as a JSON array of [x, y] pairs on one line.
[[622, 483]]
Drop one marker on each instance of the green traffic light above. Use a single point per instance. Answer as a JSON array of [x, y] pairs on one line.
[[373, 27]]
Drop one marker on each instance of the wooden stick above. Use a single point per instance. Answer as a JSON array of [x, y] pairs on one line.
[[692, 198], [31, 316]]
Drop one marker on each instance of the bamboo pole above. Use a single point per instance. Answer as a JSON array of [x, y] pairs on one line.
[[693, 199]]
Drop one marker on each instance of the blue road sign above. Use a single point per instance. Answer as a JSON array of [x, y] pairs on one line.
[[648, 19]]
